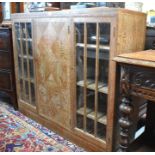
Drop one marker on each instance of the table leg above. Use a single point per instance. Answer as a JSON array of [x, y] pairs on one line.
[[125, 123], [126, 110]]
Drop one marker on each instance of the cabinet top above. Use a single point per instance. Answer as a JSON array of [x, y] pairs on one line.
[[90, 12], [142, 58]]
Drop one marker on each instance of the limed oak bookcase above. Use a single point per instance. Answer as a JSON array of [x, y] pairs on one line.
[[65, 73]]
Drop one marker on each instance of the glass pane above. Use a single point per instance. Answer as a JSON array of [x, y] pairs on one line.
[[103, 54], [18, 47], [91, 33], [80, 107], [79, 64], [79, 97], [24, 47], [91, 58], [17, 33], [104, 29], [90, 70], [79, 28], [104, 33], [19, 66], [80, 121], [28, 27], [23, 30], [26, 90], [90, 126], [103, 72], [90, 99], [102, 103], [101, 130], [31, 69], [102, 119], [21, 89], [80, 78], [30, 48], [25, 69], [90, 111], [17, 30], [32, 93]]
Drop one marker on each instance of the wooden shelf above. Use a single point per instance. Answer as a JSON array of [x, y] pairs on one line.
[[26, 79], [25, 56], [91, 85], [81, 83], [91, 114], [91, 135], [24, 39], [102, 47], [81, 111], [103, 120]]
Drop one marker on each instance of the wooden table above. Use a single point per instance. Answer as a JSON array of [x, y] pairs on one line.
[[137, 78]]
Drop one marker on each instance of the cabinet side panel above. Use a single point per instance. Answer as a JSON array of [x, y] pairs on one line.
[[53, 59], [131, 32]]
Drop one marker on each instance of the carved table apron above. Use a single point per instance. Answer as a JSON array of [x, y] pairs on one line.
[[138, 81]]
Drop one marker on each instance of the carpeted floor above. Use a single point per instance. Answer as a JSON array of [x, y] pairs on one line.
[[19, 133]]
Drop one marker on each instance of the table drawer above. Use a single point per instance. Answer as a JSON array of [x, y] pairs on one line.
[[4, 41], [5, 80], [5, 60], [139, 76]]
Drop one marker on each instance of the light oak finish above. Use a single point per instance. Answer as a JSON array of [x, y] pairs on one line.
[[93, 46], [54, 55], [130, 33], [91, 85], [53, 69]]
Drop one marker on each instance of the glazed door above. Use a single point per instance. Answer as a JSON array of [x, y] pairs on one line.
[[53, 69], [93, 49], [24, 60]]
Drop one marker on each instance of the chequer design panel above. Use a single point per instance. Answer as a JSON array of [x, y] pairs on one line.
[[53, 71]]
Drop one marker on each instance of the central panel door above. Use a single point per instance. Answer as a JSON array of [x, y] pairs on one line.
[[53, 69]]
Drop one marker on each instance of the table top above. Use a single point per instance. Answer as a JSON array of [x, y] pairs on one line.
[[141, 58]]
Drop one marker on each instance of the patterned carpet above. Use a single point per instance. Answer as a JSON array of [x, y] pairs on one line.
[[19, 133]]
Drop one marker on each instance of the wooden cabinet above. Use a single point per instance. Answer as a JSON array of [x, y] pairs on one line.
[[7, 76], [74, 75]]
